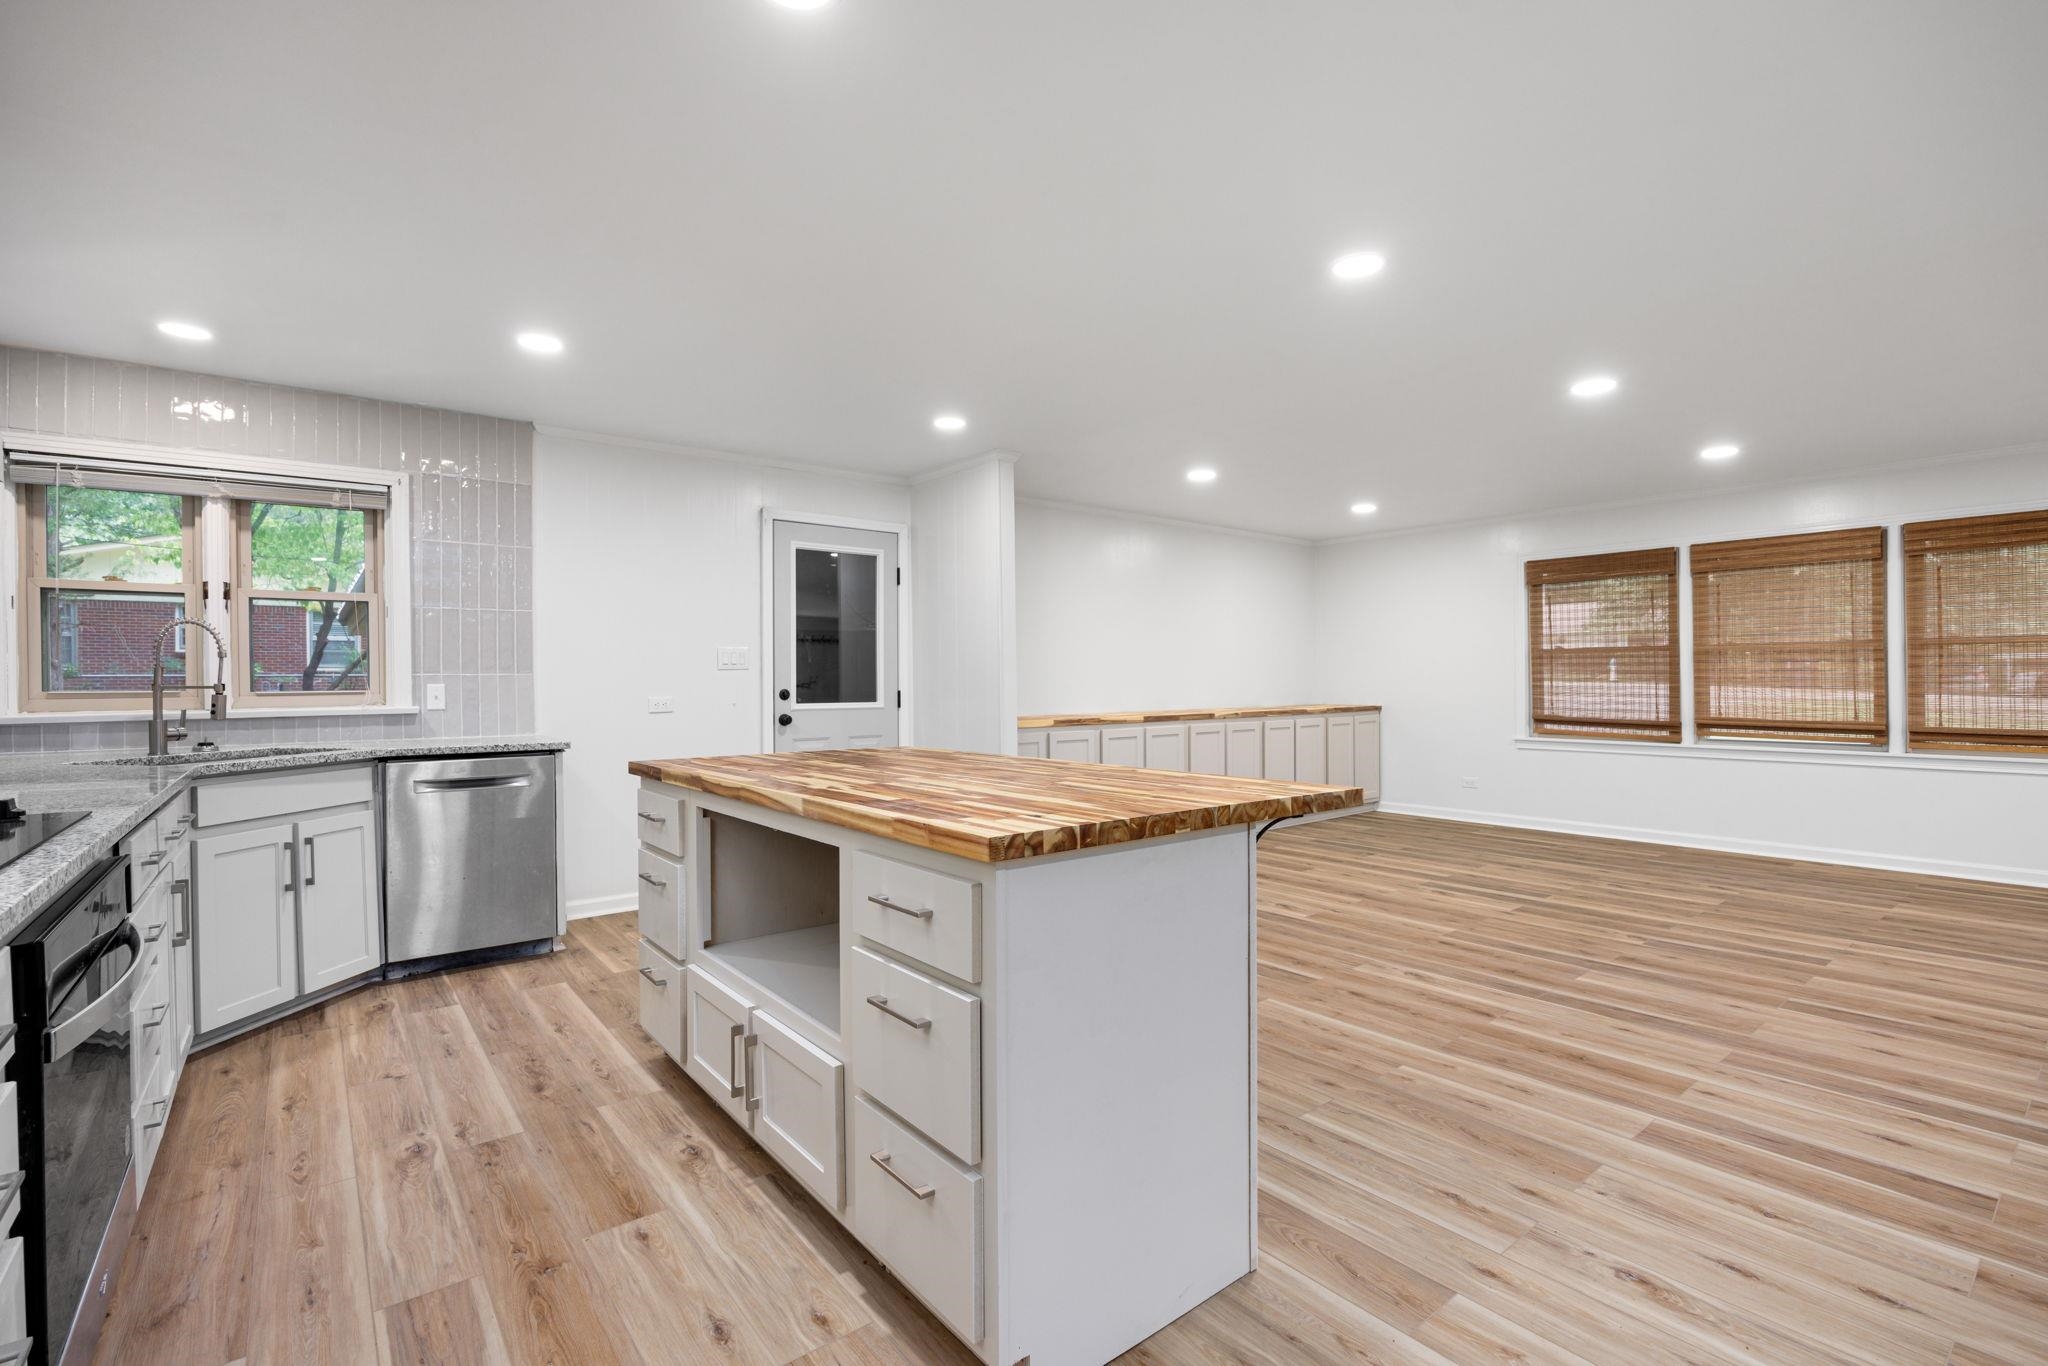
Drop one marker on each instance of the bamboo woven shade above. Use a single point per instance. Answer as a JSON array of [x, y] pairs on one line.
[[1977, 632], [1603, 645], [1788, 637]]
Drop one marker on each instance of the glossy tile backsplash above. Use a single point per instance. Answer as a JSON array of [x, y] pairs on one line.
[[472, 532]]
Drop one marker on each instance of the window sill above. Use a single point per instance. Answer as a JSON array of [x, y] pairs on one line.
[[60, 718], [1797, 752]]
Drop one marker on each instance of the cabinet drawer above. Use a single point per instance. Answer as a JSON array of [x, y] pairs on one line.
[[150, 1017], [661, 999], [152, 1113], [152, 915], [223, 801], [715, 1020], [916, 1046], [13, 1293], [920, 1214], [661, 888], [932, 917], [661, 819], [798, 1096]]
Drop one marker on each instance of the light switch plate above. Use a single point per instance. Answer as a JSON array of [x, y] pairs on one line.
[[732, 656], [437, 697], [660, 704]]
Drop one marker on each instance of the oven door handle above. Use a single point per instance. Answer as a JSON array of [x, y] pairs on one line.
[[61, 1039]]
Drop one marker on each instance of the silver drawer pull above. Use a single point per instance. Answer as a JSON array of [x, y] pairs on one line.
[[153, 860], [882, 899], [735, 1065], [162, 1009], [654, 882], [881, 1003], [163, 1112], [881, 1159], [648, 973], [156, 933], [649, 816]]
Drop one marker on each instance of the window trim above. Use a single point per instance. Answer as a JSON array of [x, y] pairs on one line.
[[215, 533], [242, 600], [32, 536]]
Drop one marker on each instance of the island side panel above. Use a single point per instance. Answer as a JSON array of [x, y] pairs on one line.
[[1123, 1042]]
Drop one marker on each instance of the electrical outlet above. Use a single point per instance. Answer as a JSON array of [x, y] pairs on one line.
[[1468, 782], [732, 656], [660, 704], [437, 697]]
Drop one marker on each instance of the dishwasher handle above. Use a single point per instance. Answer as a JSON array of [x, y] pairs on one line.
[[467, 784]]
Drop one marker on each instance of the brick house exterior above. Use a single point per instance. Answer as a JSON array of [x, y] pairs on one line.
[[103, 645]]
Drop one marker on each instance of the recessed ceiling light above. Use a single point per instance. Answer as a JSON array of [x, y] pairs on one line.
[[802, 4], [950, 422], [540, 343], [1201, 474], [1364, 509], [185, 331], [1723, 450], [1594, 386], [1358, 265]]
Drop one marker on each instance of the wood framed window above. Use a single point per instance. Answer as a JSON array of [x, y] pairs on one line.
[[1977, 633], [103, 571], [1603, 646], [308, 607], [1788, 637]]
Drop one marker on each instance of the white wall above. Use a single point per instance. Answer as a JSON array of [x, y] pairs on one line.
[[648, 560], [1431, 625], [1121, 612], [963, 573]]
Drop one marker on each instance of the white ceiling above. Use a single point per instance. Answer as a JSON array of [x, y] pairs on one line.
[[1099, 228]]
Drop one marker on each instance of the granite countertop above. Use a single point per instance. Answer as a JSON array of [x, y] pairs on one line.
[[119, 795], [991, 808], [1168, 715]]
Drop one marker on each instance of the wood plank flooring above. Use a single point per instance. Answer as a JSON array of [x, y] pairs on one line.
[[1524, 1098]]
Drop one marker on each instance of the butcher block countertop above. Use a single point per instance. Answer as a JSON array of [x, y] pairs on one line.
[[991, 808], [1160, 718]]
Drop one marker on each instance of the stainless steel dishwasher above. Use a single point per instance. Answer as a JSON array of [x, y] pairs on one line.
[[469, 854]]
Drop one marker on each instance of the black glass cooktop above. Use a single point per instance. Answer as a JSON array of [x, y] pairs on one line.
[[21, 832]]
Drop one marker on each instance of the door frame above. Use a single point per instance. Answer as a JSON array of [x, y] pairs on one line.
[[906, 729]]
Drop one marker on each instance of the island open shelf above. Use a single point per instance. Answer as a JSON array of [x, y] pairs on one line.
[[772, 913], [799, 966]]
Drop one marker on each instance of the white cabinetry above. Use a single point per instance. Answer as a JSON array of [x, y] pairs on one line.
[[1244, 749], [1336, 747], [1124, 746], [1207, 752], [1342, 763], [1279, 749], [1311, 759], [1367, 775], [284, 890], [1166, 748], [1079, 746]]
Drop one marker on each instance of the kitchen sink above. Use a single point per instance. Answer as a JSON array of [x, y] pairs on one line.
[[208, 756]]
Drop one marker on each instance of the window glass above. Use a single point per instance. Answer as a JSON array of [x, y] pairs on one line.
[[837, 630], [308, 646], [296, 549], [113, 535], [106, 641]]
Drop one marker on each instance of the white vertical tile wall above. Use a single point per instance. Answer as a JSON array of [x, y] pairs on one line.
[[471, 557]]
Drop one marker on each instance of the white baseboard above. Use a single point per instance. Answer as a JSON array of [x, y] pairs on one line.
[[1806, 853], [602, 905]]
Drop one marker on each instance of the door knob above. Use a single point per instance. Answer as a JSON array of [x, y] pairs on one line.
[[783, 695], [784, 719]]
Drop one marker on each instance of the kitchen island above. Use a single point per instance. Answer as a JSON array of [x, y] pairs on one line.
[[996, 1014]]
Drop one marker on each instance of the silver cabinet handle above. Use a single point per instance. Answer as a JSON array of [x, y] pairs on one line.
[[653, 881], [648, 973], [291, 858], [155, 933], [881, 1159], [649, 816], [182, 890], [881, 1003], [163, 1112], [154, 859], [163, 1008], [882, 899], [312, 864], [736, 1077]]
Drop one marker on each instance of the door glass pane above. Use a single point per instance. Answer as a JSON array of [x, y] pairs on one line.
[[837, 646], [106, 642], [302, 646], [306, 549], [113, 535]]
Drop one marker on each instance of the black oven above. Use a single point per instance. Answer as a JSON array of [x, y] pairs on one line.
[[74, 974]]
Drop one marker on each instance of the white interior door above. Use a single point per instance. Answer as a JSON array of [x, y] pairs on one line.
[[835, 680]]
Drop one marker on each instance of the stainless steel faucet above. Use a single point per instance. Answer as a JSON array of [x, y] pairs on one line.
[[160, 735]]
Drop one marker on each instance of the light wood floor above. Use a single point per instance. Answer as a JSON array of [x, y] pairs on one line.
[[1525, 1097]]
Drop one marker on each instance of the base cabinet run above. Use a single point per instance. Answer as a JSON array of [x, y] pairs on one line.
[[1325, 747], [943, 1089]]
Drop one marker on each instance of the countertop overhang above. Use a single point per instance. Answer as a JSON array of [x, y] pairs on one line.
[[992, 808], [1169, 716]]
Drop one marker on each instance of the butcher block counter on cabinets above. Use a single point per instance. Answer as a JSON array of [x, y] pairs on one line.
[[1320, 742], [995, 1014]]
